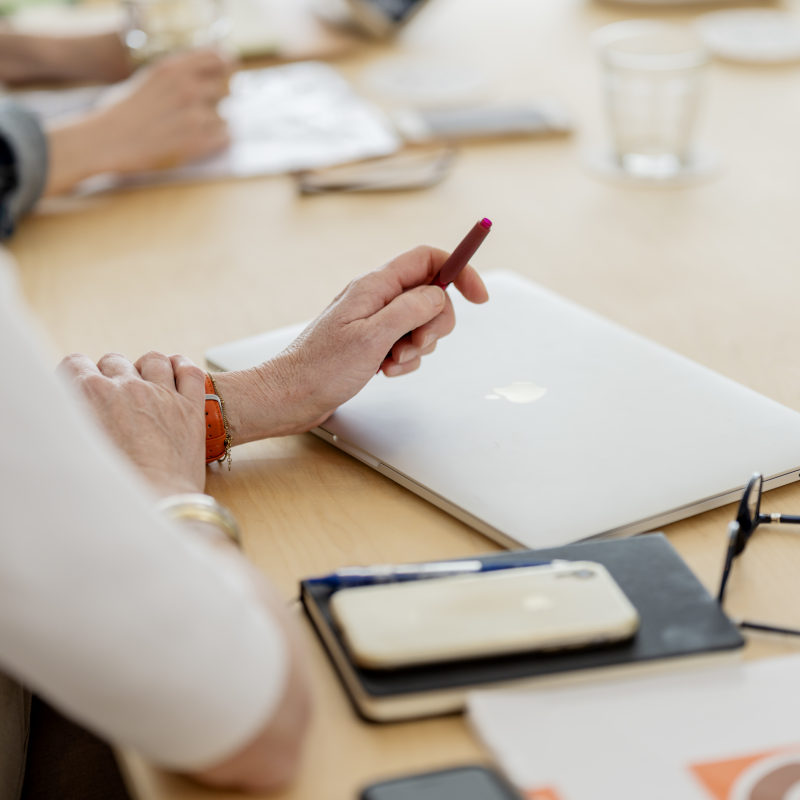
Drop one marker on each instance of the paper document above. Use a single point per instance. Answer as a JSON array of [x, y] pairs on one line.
[[281, 119], [717, 733], [298, 116]]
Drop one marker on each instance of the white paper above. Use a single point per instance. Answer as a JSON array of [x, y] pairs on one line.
[[288, 118], [713, 733]]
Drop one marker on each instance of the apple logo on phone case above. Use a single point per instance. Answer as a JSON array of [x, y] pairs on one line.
[[518, 392]]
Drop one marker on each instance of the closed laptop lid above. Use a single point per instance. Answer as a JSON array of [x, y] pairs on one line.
[[540, 423]]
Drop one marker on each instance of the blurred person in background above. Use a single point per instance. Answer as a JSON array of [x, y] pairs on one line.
[[160, 116]]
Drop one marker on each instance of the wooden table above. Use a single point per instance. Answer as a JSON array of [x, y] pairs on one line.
[[710, 271]]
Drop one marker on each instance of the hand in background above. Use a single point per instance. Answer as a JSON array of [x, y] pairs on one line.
[[153, 410], [392, 308], [165, 115]]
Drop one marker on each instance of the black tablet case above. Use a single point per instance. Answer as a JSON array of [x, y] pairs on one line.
[[678, 618]]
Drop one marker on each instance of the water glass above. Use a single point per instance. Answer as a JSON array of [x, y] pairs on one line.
[[652, 81], [158, 27]]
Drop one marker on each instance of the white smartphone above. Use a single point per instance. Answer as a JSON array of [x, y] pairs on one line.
[[565, 604]]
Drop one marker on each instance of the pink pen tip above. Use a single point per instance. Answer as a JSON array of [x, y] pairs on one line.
[[486, 223]]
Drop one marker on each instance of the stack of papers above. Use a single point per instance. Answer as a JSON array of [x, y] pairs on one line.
[[722, 733]]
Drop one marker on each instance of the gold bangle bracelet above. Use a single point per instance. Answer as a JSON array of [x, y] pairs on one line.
[[201, 508]]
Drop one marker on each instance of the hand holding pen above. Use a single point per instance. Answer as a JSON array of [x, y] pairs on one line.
[[421, 342], [339, 352]]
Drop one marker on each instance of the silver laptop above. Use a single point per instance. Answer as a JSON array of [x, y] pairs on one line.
[[539, 423]]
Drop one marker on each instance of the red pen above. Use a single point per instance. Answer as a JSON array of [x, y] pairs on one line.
[[460, 257]]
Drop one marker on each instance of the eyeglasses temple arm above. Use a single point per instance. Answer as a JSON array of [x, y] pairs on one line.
[[757, 626], [726, 571], [791, 519]]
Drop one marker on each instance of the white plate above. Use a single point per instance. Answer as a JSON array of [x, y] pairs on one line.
[[752, 35]]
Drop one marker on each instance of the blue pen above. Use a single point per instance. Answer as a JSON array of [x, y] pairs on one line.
[[347, 577]]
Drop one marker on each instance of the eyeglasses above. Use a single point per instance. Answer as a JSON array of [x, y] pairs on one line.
[[748, 518]]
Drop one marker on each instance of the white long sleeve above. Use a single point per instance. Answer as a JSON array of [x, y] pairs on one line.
[[124, 621]]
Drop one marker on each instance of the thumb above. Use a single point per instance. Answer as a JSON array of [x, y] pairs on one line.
[[409, 310]]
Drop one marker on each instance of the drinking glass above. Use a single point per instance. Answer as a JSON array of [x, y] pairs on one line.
[[653, 83], [158, 27]]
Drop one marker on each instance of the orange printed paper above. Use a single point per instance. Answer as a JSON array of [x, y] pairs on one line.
[[770, 775], [542, 794]]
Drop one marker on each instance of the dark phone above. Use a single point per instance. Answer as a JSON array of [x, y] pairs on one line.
[[457, 783]]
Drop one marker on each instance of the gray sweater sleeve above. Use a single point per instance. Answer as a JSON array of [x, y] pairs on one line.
[[22, 133]]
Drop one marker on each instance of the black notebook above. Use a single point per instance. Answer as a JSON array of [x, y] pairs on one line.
[[680, 623]]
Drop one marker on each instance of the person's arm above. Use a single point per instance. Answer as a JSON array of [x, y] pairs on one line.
[[389, 309], [270, 757], [23, 164], [156, 635], [153, 411], [163, 116], [30, 58]]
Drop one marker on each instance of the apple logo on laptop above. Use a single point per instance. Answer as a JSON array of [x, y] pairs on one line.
[[518, 392]]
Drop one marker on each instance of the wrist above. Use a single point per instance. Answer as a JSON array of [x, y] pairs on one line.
[[268, 400], [77, 150], [165, 485]]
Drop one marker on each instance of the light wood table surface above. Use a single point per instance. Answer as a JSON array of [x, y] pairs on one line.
[[711, 271]]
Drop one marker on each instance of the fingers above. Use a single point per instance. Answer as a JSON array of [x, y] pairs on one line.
[[441, 325], [190, 380], [392, 369], [209, 62], [409, 306], [176, 372], [196, 77], [470, 284], [77, 365], [406, 357], [371, 292], [408, 311], [413, 268], [206, 62], [208, 88], [421, 264], [207, 133], [416, 266], [407, 351], [115, 365], [156, 368], [213, 90]]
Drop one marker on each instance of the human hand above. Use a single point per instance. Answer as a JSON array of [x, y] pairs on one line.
[[153, 410], [164, 115], [167, 113], [31, 58], [392, 309]]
